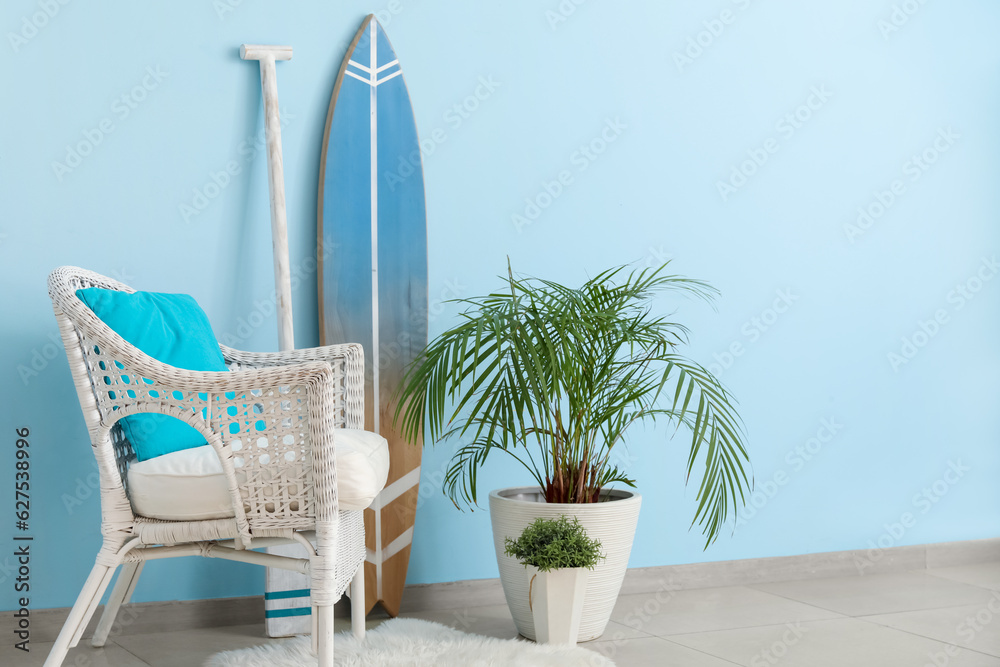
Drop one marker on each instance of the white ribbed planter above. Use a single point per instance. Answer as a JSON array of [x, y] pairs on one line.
[[612, 522]]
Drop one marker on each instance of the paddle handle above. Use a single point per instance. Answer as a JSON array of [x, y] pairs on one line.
[[267, 55]]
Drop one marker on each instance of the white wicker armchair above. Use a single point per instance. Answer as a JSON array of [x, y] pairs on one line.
[[284, 493]]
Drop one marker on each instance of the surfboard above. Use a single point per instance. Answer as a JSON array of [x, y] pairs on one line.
[[373, 281]]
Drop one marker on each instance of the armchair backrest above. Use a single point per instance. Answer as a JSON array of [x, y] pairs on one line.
[[78, 323], [81, 332], [266, 424]]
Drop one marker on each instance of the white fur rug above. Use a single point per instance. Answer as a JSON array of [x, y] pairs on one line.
[[409, 642]]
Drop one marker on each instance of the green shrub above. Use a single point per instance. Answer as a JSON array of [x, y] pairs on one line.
[[550, 544]]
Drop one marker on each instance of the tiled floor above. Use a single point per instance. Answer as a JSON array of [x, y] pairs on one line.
[[933, 618]]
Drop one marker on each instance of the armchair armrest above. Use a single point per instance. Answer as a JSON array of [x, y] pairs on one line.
[[350, 357], [329, 353]]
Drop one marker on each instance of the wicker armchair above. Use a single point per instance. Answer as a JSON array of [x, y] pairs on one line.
[[286, 493]]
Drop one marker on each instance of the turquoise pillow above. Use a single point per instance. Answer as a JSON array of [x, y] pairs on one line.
[[172, 329]]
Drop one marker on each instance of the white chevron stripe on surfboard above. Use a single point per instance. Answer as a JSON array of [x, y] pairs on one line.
[[372, 79], [378, 82], [397, 545], [400, 486], [359, 78], [391, 76], [363, 68]]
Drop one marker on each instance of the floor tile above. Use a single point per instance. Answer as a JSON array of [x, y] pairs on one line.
[[654, 652], [976, 627], [111, 655], [984, 575], [833, 643], [879, 594], [618, 631], [191, 647], [496, 621], [707, 609], [904, 620]]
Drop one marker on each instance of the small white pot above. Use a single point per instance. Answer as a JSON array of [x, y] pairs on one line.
[[556, 602]]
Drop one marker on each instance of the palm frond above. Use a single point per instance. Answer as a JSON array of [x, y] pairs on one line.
[[564, 373]]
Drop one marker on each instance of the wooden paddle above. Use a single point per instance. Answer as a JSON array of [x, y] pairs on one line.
[[279, 582]]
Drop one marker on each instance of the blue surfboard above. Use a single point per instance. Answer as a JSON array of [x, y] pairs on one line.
[[373, 280]]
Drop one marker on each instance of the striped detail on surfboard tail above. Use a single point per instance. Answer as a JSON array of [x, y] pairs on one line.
[[400, 486], [389, 494], [393, 548]]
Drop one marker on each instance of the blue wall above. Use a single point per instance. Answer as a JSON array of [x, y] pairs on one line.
[[739, 137]]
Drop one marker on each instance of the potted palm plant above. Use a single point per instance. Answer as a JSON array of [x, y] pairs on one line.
[[557, 556], [555, 377]]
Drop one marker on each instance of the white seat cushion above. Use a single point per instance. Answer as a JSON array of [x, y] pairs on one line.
[[189, 485]]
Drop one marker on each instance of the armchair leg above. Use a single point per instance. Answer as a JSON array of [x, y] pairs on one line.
[[128, 576], [94, 602], [358, 602], [325, 633], [315, 629], [80, 614]]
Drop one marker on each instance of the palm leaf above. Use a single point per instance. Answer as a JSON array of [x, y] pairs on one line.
[[540, 367]]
